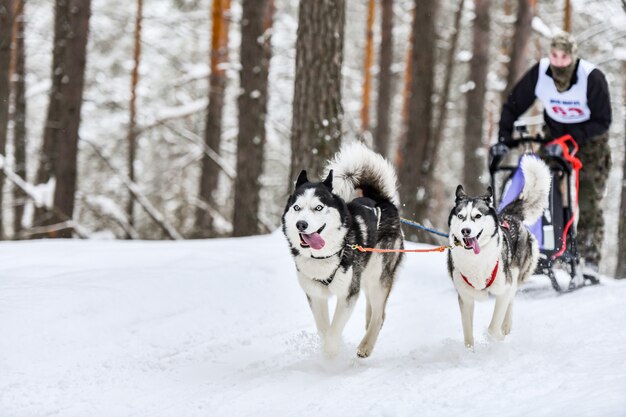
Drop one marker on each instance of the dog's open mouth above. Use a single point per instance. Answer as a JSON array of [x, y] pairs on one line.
[[313, 240], [472, 243]]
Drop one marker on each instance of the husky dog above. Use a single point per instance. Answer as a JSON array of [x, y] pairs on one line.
[[354, 205], [495, 253]]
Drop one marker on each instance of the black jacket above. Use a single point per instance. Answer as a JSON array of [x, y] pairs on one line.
[[523, 96]]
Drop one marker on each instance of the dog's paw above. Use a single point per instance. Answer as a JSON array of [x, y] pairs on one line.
[[363, 351], [469, 344], [495, 334]]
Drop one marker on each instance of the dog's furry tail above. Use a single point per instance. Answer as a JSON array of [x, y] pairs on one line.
[[357, 166], [533, 199]]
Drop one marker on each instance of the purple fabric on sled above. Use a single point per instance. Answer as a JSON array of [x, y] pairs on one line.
[[515, 188]]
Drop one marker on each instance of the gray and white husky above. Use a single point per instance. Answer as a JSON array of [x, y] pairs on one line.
[[355, 205], [495, 253]]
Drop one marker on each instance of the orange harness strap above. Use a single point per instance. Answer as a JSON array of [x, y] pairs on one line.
[[375, 250]]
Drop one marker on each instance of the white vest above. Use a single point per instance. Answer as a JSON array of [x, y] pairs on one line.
[[569, 106]]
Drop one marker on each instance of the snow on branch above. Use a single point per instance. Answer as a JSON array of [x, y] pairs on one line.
[[175, 113], [41, 195], [194, 138], [143, 201]]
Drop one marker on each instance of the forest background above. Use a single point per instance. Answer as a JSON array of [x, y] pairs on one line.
[[176, 119]]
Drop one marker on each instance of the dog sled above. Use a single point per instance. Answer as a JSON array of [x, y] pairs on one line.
[[555, 231]]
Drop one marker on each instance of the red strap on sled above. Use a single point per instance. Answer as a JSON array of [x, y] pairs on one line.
[[489, 281], [576, 166]]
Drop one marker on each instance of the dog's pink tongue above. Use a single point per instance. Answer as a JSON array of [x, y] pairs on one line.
[[314, 240], [474, 244]]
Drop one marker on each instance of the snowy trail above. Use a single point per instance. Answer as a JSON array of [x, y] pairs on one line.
[[221, 328]]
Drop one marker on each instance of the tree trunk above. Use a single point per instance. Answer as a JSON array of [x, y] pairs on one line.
[[521, 37], [367, 67], [567, 17], [317, 108], [385, 87], [48, 154], [447, 82], [419, 130], [406, 96], [432, 151], [620, 272], [19, 114], [61, 130], [213, 130], [6, 25], [132, 123], [256, 26], [475, 162]]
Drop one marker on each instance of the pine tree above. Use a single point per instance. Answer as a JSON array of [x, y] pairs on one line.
[[256, 27], [385, 79], [213, 130], [60, 148], [420, 113], [19, 114], [6, 24], [317, 108], [475, 162]]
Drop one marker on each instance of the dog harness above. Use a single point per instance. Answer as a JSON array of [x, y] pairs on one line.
[[328, 280], [489, 281]]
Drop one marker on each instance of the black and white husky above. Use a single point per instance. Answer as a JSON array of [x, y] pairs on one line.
[[355, 204], [494, 253]]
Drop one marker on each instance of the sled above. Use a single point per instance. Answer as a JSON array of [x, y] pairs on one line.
[[555, 231]]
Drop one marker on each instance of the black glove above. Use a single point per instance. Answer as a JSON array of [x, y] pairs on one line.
[[554, 150], [499, 149]]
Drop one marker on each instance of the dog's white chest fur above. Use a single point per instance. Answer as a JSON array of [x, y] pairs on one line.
[[478, 270], [323, 277]]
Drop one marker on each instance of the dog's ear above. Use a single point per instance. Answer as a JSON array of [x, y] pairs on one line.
[[460, 193], [489, 196], [302, 178], [328, 182]]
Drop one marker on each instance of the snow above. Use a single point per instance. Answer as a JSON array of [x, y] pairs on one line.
[[541, 27], [221, 328]]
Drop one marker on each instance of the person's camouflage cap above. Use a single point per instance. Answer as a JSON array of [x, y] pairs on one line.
[[565, 42]]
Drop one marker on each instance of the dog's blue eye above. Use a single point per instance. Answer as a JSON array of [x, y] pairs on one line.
[[296, 208], [319, 208]]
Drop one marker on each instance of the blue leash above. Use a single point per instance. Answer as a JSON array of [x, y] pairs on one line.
[[419, 226]]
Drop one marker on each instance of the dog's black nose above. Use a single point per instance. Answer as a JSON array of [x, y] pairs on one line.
[[302, 225], [466, 231]]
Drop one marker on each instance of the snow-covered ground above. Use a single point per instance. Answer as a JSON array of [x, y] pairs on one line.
[[221, 328]]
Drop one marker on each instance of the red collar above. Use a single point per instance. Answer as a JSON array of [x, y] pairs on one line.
[[489, 281]]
